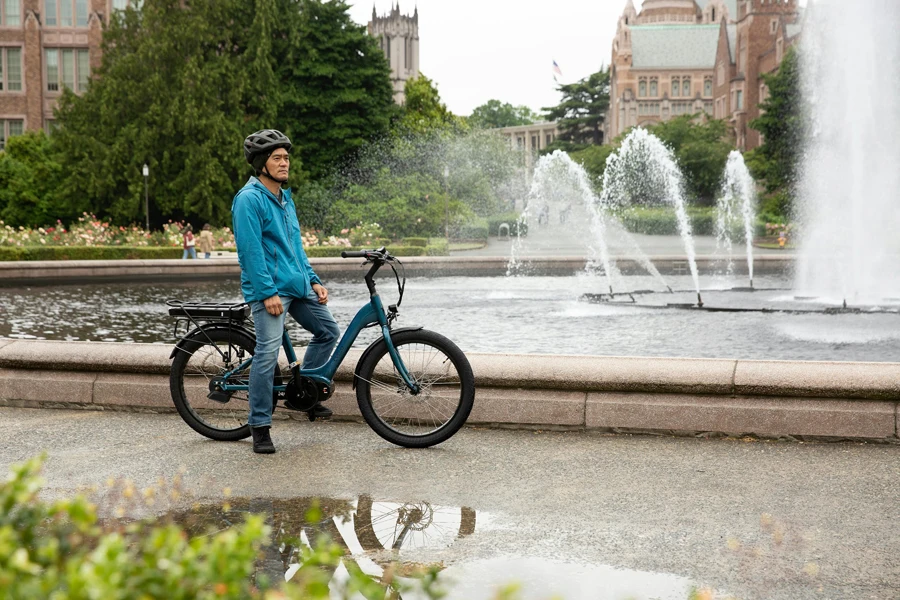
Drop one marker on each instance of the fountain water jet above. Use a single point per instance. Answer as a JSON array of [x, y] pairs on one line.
[[848, 215], [736, 207], [642, 171]]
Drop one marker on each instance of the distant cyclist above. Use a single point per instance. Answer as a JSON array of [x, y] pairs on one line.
[[276, 277]]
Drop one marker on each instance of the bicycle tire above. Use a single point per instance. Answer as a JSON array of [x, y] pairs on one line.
[[425, 419], [197, 358]]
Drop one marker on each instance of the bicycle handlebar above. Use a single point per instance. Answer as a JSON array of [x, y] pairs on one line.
[[379, 254]]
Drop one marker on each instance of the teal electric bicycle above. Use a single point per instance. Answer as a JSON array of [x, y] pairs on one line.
[[414, 387]]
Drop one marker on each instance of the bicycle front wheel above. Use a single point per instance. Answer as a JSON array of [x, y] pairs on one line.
[[202, 357], [445, 399]]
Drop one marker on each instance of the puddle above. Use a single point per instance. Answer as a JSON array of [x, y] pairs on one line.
[[406, 537]]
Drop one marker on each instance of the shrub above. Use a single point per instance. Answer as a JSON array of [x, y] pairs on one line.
[[366, 234], [415, 241], [662, 220], [475, 229], [335, 251], [511, 219], [437, 247]]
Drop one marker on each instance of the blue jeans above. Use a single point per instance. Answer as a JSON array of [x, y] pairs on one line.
[[313, 317], [189, 250]]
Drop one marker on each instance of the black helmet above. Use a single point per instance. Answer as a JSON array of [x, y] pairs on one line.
[[264, 142]]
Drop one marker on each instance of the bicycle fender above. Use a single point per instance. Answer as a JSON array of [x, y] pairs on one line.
[[188, 337], [372, 348]]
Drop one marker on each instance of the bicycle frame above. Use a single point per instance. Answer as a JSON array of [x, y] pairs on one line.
[[370, 314]]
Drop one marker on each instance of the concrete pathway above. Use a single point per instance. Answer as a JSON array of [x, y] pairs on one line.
[[585, 515]]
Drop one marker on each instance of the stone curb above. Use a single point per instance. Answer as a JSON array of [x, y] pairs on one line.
[[15, 272], [736, 397]]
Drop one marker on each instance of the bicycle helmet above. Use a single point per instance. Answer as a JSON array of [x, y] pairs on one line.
[[258, 146]]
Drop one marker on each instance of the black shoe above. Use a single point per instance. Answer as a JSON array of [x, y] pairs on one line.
[[262, 441], [319, 412]]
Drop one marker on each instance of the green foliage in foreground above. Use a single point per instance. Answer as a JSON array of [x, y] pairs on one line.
[[59, 550]]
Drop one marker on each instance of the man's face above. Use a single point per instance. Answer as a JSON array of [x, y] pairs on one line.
[[278, 165]]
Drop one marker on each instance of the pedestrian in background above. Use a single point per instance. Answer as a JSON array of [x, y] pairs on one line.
[[187, 235], [206, 240]]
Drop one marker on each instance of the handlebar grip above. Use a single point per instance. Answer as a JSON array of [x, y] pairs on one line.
[[354, 254]]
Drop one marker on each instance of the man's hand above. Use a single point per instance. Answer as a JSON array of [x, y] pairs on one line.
[[321, 292], [273, 305]]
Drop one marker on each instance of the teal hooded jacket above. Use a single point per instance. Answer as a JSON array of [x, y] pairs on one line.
[[270, 251]]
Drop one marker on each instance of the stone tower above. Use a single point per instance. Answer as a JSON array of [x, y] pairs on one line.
[[398, 36]]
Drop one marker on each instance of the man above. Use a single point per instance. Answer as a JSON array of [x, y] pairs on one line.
[[276, 277]]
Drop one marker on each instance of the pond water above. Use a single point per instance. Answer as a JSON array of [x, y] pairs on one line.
[[499, 314]]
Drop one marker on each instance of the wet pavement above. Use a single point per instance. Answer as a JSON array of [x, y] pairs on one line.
[[579, 514]]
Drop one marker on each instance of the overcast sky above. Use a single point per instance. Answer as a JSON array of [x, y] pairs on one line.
[[475, 50]]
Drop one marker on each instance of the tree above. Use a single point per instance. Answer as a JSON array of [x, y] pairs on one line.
[[179, 88], [701, 149], [424, 112], [782, 126], [581, 113], [29, 179], [494, 114]]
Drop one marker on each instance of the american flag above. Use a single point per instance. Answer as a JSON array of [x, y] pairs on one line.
[[557, 72]]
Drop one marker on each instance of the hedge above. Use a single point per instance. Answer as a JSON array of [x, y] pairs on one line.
[[415, 241], [8, 253], [333, 251], [476, 230], [11, 253], [511, 219], [662, 221], [437, 247]]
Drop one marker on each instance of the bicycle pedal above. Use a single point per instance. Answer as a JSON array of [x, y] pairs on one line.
[[221, 397]]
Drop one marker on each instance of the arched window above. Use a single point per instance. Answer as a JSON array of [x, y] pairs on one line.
[[686, 87], [653, 88], [714, 14], [642, 89], [676, 87], [707, 87]]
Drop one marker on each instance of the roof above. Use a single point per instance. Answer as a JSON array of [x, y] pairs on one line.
[[674, 46], [731, 30]]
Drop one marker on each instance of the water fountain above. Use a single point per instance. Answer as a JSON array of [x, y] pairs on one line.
[[736, 210], [848, 215], [642, 171]]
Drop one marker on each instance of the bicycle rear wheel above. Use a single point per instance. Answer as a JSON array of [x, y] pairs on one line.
[[440, 408], [202, 357]]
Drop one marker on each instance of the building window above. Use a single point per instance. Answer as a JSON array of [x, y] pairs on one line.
[[654, 89], [65, 67], [740, 100], [9, 128], [12, 13], [66, 13], [50, 126], [642, 89], [713, 15], [686, 87], [707, 87], [676, 87], [10, 69], [549, 140]]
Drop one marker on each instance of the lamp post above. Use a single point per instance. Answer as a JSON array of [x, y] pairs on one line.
[[447, 203], [146, 172]]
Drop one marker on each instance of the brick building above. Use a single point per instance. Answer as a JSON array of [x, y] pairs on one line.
[[46, 45], [679, 57]]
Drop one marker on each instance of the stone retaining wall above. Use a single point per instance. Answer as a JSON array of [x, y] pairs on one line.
[[12, 273], [663, 395]]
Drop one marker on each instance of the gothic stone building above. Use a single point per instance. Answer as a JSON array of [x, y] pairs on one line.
[[399, 39], [46, 45], [680, 57]]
